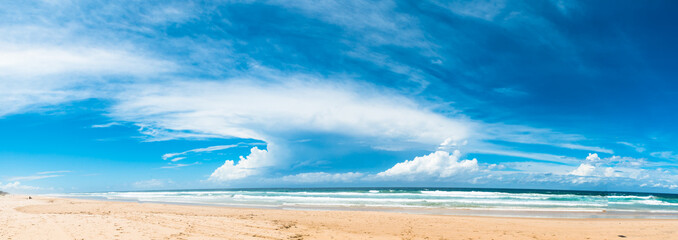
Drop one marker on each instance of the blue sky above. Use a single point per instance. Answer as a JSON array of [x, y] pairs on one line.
[[127, 95]]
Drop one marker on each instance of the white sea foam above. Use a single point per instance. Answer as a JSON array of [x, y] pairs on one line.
[[404, 199], [631, 197], [657, 202]]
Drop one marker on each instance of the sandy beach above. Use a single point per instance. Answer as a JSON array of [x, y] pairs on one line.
[[56, 218]]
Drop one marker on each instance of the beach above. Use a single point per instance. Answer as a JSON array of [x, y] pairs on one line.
[[61, 218]]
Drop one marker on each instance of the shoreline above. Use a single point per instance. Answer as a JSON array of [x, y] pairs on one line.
[[544, 213], [66, 218]]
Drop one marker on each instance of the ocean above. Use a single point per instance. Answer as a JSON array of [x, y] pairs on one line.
[[453, 201]]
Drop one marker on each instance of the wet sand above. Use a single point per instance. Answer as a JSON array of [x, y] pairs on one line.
[[57, 218]]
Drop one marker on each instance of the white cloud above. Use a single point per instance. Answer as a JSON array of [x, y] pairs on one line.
[[437, 165], [449, 143], [584, 169], [588, 167], [43, 65], [440, 164], [319, 177], [611, 167], [626, 162], [30, 178], [179, 165], [270, 111], [485, 148], [169, 13], [530, 135], [377, 22], [197, 150], [39, 175], [638, 147], [247, 166], [372, 24], [415, 75], [152, 183], [539, 167], [483, 9], [106, 125], [17, 186], [264, 111], [26, 95], [660, 185], [51, 172], [35, 75], [610, 172], [593, 157], [669, 155], [54, 66], [593, 170], [587, 148], [24, 61]]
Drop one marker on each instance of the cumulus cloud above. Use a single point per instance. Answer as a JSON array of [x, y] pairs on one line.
[[593, 172], [247, 166], [593, 158], [584, 169], [449, 143], [597, 168], [610, 172], [440, 164], [588, 167], [436, 165], [660, 185]]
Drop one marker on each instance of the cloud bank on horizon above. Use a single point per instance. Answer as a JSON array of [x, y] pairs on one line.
[[182, 94]]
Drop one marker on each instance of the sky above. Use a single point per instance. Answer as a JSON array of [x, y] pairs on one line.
[[143, 95]]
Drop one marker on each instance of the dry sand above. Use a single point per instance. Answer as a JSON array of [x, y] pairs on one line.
[[54, 218]]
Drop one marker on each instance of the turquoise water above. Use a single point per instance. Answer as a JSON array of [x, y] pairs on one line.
[[493, 202]]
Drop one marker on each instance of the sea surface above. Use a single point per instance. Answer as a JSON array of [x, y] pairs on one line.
[[477, 202]]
